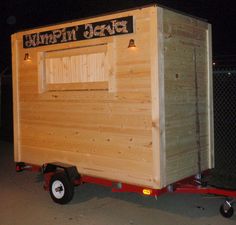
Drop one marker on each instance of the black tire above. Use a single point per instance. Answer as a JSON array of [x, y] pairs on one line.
[[226, 211], [61, 188]]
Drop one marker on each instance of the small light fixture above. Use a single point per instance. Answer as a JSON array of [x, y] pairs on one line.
[[131, 44], [27, 57], [147, 191]]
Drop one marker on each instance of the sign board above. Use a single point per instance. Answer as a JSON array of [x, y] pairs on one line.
[[87, 31]]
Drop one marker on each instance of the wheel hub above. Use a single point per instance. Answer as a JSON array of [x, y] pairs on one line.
[[58, 189]]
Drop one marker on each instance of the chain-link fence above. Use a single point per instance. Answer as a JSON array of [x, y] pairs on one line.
[[224, 87]]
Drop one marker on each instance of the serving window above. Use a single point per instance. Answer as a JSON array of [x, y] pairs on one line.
[[82, 68]]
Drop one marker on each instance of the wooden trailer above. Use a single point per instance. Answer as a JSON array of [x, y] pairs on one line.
[[125, 97]]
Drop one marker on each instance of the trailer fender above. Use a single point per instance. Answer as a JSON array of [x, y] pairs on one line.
[[70, 172]]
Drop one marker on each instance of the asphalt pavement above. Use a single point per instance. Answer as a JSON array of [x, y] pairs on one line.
[[23, 201]]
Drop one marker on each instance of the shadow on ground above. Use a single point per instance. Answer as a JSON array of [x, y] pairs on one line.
[[99, 205]]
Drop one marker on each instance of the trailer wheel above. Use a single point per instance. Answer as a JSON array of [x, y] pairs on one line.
[[226, 210], [61, 188]]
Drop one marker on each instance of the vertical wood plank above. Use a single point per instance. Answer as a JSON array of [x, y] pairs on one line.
[[89, 67], [42, 65], [155, 63], [16, 105], [210, 98], [161, 80]]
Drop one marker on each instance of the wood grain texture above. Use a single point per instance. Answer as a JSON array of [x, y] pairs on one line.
[[16, 107], [161, 101], [104, 128], [135, 121], [210, 99], [76, 65], [157, 78], [186, 57]]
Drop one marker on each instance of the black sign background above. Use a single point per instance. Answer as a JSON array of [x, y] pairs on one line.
[[118, 26]]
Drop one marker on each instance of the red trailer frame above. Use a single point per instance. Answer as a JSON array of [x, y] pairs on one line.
[[191, 185]]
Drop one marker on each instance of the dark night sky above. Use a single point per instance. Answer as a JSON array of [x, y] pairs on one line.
[[16, 15]]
